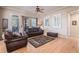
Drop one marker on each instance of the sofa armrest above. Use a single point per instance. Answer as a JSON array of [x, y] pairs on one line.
[[14, 40], [41, 31]]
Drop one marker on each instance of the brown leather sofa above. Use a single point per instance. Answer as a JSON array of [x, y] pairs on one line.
[[14, 42], [34, 31]]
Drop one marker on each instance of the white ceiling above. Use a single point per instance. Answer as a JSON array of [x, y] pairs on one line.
[[47, 9], [31, 9]]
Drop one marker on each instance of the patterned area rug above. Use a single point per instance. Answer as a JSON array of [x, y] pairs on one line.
[[39, 40]]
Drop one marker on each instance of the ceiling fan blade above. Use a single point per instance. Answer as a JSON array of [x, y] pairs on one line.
[[41, 11], [38, 9]]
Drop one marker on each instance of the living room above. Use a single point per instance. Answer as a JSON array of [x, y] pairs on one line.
[[59, 23]]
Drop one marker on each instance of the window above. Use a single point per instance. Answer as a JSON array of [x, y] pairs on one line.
[[30, 22], [33, 22], [46, 22], [57, 21], [15, 23]]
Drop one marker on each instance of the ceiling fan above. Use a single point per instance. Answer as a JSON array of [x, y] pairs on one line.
[[39, 9]]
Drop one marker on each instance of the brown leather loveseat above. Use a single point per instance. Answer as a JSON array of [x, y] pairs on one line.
[[14, 41]]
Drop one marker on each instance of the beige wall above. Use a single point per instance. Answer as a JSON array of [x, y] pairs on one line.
[[63, 31], [7, 13], [74, 29], [1, 22]]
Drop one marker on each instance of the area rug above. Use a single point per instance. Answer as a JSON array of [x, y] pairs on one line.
[[39, 40]]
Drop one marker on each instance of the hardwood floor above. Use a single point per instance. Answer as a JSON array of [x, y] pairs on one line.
[[2, 47], [56, 46]]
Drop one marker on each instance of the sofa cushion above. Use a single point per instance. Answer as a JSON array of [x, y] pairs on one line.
[[36, 29], [30, 30], [16, 35]]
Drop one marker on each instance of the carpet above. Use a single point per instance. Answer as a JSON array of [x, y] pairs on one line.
[[39, 40]]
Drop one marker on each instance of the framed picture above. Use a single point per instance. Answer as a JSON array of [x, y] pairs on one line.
[[4, 23], [74, 22]]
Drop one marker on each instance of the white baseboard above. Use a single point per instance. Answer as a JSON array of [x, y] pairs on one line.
[[62, 36]]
